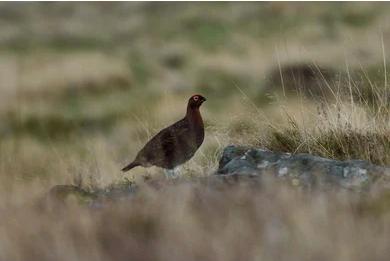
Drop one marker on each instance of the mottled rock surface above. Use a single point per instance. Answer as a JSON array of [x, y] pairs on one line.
[[302, 169]]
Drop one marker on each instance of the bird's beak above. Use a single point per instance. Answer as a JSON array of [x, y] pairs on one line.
[[204, 99]]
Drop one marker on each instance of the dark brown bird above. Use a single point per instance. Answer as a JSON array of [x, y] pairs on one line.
[[175, 144]]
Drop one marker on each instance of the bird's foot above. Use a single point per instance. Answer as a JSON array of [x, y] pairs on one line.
[[172, 173]]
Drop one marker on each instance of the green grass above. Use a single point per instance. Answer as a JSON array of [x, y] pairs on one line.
[[207, 33], [373, 146]]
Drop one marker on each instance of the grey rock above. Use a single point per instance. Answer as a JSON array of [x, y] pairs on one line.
[[63, 194], [302, 169]]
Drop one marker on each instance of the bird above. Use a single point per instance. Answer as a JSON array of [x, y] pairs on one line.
[[176, 144]]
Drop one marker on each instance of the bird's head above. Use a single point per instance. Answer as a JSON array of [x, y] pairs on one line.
[[196, 101]]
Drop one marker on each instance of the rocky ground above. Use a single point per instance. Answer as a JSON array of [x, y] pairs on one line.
[[252, 165]]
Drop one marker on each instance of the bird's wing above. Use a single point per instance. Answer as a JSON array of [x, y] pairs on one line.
[[163, 143]]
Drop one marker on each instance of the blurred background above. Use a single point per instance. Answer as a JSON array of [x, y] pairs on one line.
[[76, 76], [84, 85]]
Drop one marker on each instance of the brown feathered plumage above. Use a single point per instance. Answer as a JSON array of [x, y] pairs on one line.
[[175, 144]]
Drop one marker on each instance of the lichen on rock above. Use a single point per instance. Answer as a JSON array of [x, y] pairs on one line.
[[303, 169]]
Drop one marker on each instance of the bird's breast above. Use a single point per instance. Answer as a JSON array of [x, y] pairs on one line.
[[196, 128]]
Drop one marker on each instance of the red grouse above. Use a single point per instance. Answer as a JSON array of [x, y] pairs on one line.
[[175, 144]]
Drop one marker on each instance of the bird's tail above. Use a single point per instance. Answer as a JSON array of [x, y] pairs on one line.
[[130, 166]]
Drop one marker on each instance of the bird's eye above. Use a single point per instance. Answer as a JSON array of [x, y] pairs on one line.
[[196, 98]]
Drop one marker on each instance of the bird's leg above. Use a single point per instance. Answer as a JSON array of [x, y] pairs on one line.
[[176, 172], [171, 173]]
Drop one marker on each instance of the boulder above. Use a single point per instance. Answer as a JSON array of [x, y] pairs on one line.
[[302, 169]]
